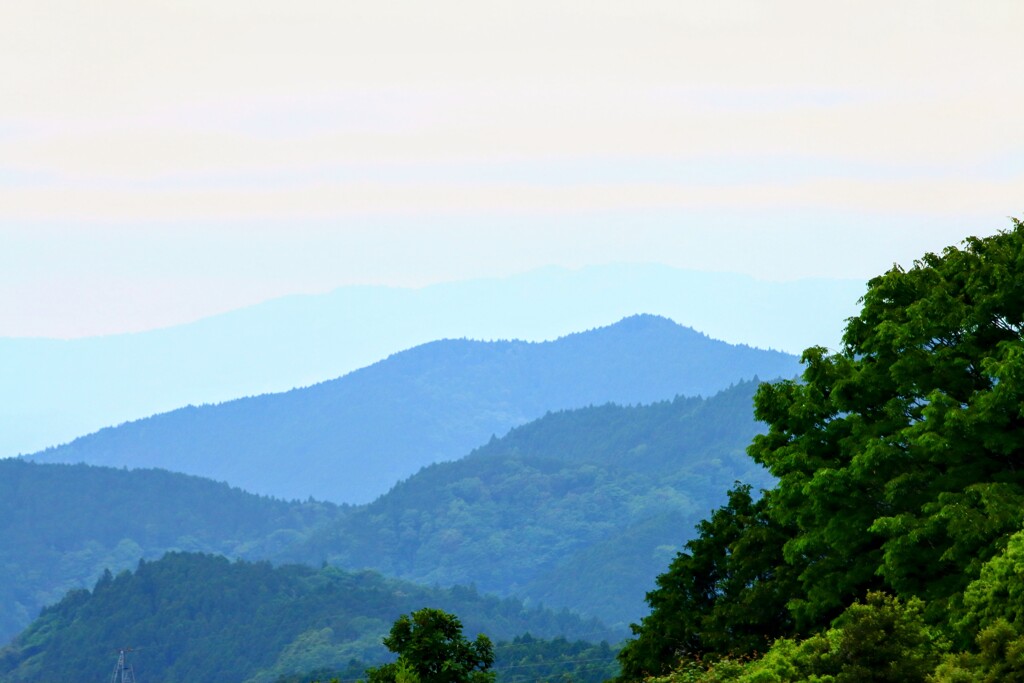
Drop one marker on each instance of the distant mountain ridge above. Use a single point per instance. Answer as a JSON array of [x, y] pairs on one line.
[[350, 439], [56, 390]]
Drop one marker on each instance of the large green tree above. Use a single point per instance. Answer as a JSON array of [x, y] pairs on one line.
[[431, 649], [900, 457], [899, 461]]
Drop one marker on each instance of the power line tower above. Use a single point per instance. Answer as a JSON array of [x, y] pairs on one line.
[[123, 672]]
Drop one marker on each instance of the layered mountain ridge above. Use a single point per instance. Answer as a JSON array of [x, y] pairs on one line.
[[56, 390], [350, 439]]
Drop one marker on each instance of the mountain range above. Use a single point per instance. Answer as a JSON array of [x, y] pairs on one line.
[[595, 455], [56, 390], [580, 509], [350, 439]]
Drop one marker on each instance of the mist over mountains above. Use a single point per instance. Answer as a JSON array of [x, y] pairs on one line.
[[56, 390], [350, 439]]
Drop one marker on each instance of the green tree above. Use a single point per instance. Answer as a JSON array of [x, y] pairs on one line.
[[405, 672], [899, 457], [899, 462], [431, 649], [724, 595]]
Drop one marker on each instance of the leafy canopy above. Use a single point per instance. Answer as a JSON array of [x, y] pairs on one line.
[[899, 462], [431, 649], [899, 457], [720, 595], [880, 640], [203, 618]]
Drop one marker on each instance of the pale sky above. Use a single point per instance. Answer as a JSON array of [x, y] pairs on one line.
[[164, 160]]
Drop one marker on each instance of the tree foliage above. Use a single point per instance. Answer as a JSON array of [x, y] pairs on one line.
[[899, 457], [204, 618], [524, 659], [879, 640], [899, 462], [992, 616], [720, 596], [62, 525], [431, 649]]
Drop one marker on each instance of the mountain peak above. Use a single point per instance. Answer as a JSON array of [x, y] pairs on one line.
[[651, 322]]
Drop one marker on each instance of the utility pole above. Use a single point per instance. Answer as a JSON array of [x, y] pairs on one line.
[[123, 672]]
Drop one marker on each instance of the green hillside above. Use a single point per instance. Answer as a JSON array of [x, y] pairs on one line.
[[579, 509], [62, 525], [200, 618], [524, 659]]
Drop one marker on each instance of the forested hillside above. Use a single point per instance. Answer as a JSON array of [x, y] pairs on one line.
[[351, 439], [891, 548], [62, 525], [202, 619], [524, 659], [580, 509]]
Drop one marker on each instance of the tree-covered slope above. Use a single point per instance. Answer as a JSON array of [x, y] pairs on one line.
[[62, 525], [578, 509], [201, 618], [352, 438], [581, 508], [524, 659]]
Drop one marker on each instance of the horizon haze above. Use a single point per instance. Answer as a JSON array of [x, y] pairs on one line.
[[164, 162]]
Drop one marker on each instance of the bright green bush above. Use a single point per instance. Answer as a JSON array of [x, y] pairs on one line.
[[880, 640]]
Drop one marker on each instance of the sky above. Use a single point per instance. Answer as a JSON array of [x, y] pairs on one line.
[[166, 160]]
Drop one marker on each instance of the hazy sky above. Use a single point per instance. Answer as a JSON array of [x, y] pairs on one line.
[[163, 160]]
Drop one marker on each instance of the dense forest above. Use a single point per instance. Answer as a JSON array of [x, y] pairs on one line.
[[891, 547], [579, 509], [62, 525], [348, 440], [197, 617]]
